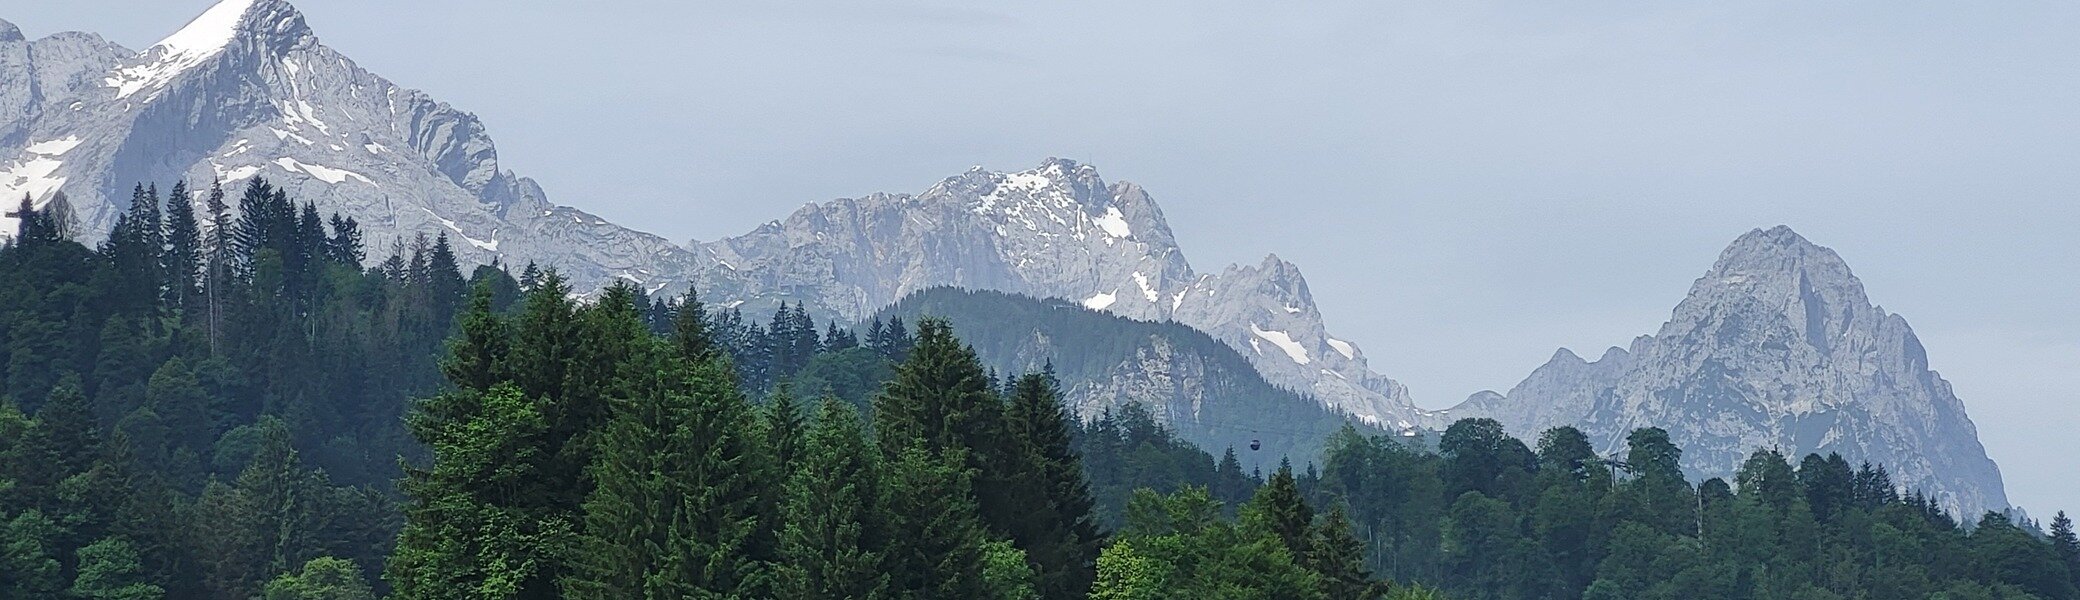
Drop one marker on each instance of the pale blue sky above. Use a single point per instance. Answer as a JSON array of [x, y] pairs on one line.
[[1468, 185]]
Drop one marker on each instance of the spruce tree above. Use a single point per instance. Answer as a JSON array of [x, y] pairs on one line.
[[2066, 545], [66, 438], [478, 358], [677, 490], [940, 400], [782, 422], [345, 246], [183, 254], [29, 553], [217, 267], [1231, 486], [936, 542], [692, 335], [1337, 555], [279, 505], [479, 525], [1060, 534], [833, 535], [611, 337], [1279, 509], [545, 338], [446, 287]]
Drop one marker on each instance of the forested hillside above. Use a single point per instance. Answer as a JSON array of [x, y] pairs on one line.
[[231, 408], [1202, 389]]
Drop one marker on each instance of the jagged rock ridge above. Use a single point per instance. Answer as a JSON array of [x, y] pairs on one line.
[[1776, 346], [247, 90], [1055, 231]]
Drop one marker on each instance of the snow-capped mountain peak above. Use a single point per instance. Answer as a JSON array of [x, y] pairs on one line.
[[264, 23], [1056, 230]]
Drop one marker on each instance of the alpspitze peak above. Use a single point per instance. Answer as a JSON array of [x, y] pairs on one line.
[[274, 22], [270, 26], [10, 33]]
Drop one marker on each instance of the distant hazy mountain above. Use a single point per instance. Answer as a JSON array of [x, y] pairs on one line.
[[1195, 384], [1776, 346]]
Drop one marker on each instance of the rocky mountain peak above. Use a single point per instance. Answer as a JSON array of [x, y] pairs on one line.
[[1778, 256], [1776, 346], [246, 91], [10, 33], [1776, 278], [1277, 280], [264, 27], [1057, 183]]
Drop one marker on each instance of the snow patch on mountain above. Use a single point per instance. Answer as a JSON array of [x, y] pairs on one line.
[[1285, 343], [56, 147], [201, 40], [246, 90]]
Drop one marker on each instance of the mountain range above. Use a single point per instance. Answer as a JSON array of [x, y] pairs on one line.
[[1775, 346]]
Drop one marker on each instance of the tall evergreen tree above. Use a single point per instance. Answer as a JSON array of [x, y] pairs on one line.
[[1337, 555], [1280, 509], [832, 542], [478, 525], [677, 492], [1060, 534], [941, 398], [345, 245], [218, 263], [936, 543], [2066, 545], [182, 257], [1231, 485], [477, 358], [692, 335], [445, 284]]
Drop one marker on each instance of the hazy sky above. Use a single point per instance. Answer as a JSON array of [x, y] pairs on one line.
[[1468, 185]]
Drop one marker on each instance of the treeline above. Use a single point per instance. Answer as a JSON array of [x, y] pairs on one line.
[[1489, 517], [205, 401], [209, 406], [581, 455]]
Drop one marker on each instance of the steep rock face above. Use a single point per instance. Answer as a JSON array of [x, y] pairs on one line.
[[36, 75], [247, 90], [1059, 231], [1776, 346]]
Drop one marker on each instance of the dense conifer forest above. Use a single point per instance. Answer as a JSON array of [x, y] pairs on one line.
[[219, 407]]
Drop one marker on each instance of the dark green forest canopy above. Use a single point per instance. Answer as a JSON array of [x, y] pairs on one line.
[[209, 406]]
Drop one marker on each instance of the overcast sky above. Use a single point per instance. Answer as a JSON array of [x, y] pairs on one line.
[[1468, 185]]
